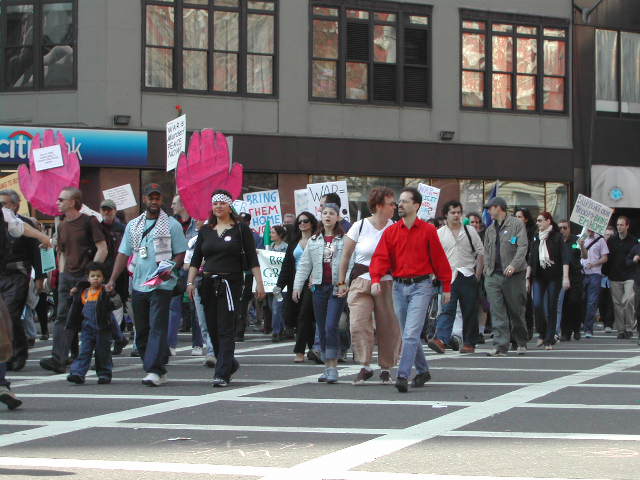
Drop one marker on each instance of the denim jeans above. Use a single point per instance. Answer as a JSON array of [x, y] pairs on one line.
[[410, 303], [202, 322], [151, 317], [592, 296], [93, 340], [29, 322], [277, 314], [563, 293], [465, 290], [327, 309], [545, 307]]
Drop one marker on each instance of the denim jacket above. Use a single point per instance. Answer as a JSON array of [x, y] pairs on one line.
[[311, 262]]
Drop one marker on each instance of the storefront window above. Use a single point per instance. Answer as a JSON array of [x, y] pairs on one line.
[[255, 182], [530, 195], [471, 196]]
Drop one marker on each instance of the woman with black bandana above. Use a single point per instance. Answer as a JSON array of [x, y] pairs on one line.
[[225, 249]]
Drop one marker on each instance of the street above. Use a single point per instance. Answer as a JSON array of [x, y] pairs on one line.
[[572, 412]]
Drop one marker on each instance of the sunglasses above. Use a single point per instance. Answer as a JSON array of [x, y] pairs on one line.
[[62, 199], [304, 220]]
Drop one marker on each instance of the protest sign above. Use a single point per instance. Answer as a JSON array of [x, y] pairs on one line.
[[240, 206], [270, 265], [12, 182], [176, 140], [47, 157], [319, 190], [48, 259], [92, 213], [263, 206], [430, 197], [591, 214], [301, 199], [122, 196]]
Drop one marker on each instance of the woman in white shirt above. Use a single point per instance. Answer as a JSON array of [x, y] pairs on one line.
[[361, 241]]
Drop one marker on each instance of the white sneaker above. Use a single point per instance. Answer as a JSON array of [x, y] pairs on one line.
[[522, 350], [196, 352], [172, 352], [607, 330], [154, 380]]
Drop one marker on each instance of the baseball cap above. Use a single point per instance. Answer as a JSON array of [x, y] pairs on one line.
[[108, 204], [497, 202], [150, 188]]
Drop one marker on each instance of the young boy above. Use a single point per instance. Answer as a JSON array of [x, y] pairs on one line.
[[92, 309]]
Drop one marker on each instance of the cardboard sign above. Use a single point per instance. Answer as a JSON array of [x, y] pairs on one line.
[[302, 203], [591, 214], [270, 266], [122, 196], [11, 182], [319, 190], [48, 259], [264, 206], [430, 197], [47, 157], [176, 140]]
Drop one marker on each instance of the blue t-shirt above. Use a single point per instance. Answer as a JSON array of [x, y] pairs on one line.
[[297, 254], [146, 266]]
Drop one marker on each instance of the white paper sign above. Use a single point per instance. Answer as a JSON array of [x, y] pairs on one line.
[[92, 213], [240, 206], [591, 214], [47, 157], [176, 140], [430, 197], [301, 198], [264, 206], [319, 190], [122, 196], [270, 266]]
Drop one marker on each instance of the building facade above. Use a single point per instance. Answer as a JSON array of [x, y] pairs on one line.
[[454, 93]]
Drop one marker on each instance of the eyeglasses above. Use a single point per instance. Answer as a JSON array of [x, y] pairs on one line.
[[304, 220], [60, 199], [540, 220], [563, 227]]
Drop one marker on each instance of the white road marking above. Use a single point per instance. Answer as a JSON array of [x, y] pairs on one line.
[[539, 435]]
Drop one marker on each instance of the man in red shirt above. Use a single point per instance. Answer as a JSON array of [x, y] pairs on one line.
[[411, 251]]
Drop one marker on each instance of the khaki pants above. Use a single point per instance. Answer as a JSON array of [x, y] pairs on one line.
[[623, 305], [387, 329]]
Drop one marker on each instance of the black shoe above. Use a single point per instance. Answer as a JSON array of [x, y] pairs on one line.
[[314, 357], [480, 340], [134, 352], [44, 337], [9, 398], [454, 343], [17, 364], [240, 338], [577, 336], [104, 380], [628, 335], [219, 382], [420, 379], [119, 345], [77, 379], [31, 342], [51, 365], [402, 385]]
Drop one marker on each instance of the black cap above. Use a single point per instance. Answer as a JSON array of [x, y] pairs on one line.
[[150, 188], [497, 202]]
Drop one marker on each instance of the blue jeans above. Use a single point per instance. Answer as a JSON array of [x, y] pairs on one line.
[[560, 308], [465, 290], [327, 309], [545, 307], [93, 340], [591, 284], [277, 315], [151, 317], [410, 303], [202, 322]]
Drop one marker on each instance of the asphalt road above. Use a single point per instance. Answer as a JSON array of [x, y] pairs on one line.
[[573, 412]]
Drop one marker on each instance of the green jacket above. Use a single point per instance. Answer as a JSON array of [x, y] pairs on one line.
[[513, 246]]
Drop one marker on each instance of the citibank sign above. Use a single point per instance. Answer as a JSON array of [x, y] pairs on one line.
[[122, 148]]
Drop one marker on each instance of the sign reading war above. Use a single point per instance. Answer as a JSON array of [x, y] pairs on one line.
[[263, 206], [591, 214]]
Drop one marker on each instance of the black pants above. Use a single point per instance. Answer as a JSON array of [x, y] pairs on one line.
[[221, 322], [573, 308], [605, 306], [303, 312], [14, 287], [242, 306], [42, 310]]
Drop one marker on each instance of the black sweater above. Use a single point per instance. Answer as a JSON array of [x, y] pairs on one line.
[[559, 254], [222, 254]]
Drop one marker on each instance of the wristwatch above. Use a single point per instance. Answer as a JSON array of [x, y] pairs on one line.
[[189, 283]]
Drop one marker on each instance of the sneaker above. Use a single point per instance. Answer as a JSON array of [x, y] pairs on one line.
[[548, 347], [402, 385], [134, 352], [385, 377], [210, 361], [497, 352], [196, 352], [323, 377], [363, 376], [314, 356], [522, 350], [154, 380], [77, 379], [436, 345], [455, 342], [119, 345], [52, 365], [420, 379], [332, 375], [219, 382], [540, 343], [468, 349], [172, 351], [588, 334], [607, 329], [9, 398], [104, 380]]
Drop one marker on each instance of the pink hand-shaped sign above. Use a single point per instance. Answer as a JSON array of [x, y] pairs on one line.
[[41, 188], [204, 168]]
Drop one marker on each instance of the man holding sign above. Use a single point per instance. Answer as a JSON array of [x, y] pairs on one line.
[[594, 253]]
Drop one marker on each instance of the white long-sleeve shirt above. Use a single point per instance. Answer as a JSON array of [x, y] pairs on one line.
[[15, 226], [458, 249]]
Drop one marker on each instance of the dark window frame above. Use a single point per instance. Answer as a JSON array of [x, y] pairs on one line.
[[517, 20], [402, 11], [38, 80], [178, 48]]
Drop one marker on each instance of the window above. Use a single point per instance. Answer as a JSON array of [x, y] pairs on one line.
[[38, 42], [513, 63], [225, 47], [617, 72], [370, 52]]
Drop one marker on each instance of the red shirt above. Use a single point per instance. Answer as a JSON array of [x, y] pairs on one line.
[[411, 252], [327, 257]]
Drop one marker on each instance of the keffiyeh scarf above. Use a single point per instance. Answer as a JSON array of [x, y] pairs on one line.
[[161, 235]]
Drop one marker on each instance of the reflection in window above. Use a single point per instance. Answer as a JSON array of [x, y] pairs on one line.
[[255, 182], [606, 71], [630, 72]]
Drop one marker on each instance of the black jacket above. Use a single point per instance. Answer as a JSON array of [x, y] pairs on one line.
[[106, 304], [631, 264], [288, 269], [575, 267], [558, 253], [616, 267]]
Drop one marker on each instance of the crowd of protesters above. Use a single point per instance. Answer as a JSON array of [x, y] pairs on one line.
[[376, 285]]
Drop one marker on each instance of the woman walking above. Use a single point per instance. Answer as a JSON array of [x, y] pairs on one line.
[[275, 300], [226, 248], [361, 242], [547, 273], [320, 264], [299, 313]]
